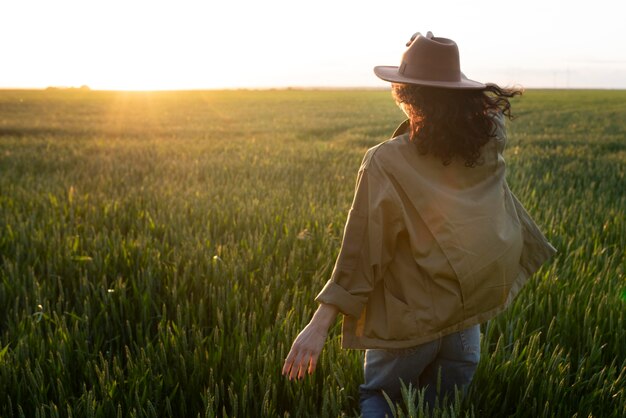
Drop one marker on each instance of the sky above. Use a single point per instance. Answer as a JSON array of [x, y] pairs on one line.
[[213, 44]]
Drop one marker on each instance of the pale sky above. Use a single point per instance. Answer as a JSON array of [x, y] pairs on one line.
[[141, 44]]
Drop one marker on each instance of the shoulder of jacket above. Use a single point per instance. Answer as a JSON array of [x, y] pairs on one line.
[[377, 154]]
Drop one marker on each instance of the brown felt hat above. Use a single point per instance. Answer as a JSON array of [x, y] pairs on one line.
[[429, 61]]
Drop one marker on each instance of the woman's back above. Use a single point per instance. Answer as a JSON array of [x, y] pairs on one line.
[[455, 258]]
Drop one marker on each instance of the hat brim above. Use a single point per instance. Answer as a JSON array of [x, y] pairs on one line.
[[391, 74]]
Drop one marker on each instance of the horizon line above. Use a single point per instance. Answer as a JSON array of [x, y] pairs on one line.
[[86, 88]]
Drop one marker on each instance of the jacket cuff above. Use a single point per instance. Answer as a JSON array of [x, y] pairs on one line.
[[348, 304]]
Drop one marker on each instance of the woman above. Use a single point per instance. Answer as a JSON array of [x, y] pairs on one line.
[[435, 243]]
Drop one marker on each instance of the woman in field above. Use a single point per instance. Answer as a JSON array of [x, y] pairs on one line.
[[435, 242]]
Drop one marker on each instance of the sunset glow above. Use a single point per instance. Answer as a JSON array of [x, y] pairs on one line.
[[245, 44]]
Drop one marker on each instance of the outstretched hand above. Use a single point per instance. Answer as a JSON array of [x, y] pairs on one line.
[[304, 352], [308, 345]]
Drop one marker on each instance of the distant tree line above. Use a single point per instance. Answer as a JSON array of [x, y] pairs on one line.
[[83, 87]]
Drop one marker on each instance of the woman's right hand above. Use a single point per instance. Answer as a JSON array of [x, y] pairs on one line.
[[308, 345]]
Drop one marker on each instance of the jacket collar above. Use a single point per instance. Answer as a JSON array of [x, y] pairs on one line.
[[402, 129]]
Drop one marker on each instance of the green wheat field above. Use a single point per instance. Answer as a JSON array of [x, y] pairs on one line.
[[160, 251]]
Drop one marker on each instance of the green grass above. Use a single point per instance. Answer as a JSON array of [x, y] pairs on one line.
[[160, 251]]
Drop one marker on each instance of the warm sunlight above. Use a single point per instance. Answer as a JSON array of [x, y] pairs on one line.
[[132, 45], [209, 44]]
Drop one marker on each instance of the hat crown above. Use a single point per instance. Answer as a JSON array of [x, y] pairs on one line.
[[434, 59], [429, 61]]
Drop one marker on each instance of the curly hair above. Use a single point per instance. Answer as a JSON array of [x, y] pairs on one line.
[[453, 122]]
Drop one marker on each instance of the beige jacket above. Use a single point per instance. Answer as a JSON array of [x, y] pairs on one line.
[[430, 249]]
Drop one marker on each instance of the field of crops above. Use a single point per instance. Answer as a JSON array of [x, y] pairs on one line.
[[160, 251]]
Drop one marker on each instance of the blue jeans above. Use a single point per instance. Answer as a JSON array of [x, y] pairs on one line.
[[455, 356]]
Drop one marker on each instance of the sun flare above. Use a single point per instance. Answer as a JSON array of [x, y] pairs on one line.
[[157, 45]]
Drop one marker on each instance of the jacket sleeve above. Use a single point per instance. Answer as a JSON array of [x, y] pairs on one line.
[[537, 249], [368, 242]]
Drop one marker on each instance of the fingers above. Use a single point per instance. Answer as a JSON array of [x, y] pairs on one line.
[[312, 364], [298, 363], [292, 368], [286, 367], [299, 366], [291, 362], [288, 361]]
